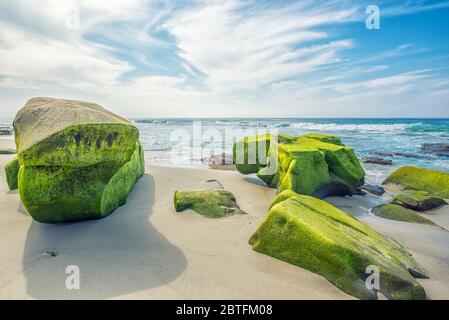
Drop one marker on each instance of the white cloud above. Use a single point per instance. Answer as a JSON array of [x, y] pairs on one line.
[[229, 58], [240, 48], [39, 61], [391, 84]]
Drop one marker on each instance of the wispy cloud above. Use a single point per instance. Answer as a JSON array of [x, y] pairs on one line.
[[412, 7], [230, 58], [238, 48]]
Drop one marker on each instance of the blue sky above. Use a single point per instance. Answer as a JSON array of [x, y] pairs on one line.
[[147, 58]]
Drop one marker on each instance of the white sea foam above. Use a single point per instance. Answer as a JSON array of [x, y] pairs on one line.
[[351, 127]]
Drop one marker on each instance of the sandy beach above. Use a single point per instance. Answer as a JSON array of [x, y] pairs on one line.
[[145, 250]]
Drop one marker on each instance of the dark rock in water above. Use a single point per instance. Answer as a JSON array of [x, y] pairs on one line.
[[6, 131], [371, 188], [383, 154], [210, 203], [436, 149], [374, 160], [417, 274], [418, 200], [408, 155]]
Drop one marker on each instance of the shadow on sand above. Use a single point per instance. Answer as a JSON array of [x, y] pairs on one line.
[[120, 254], [256, 181]]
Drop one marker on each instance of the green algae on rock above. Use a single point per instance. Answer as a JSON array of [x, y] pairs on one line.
[[209, 203], [412, 178], [303, 164], [396, 212], [77, 160], [418, 200], [314, 235], [11, 171]]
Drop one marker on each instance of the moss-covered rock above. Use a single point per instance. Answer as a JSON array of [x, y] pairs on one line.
[[418, 200], [77, 160], [324, 138], [210, 203], [250, 154], [12, 171], [434, 182], [396, 212], [303, 164], [314, 235]]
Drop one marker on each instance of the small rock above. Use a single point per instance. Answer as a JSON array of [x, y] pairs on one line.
[[374, 160], [417, 274], [51, 253], [374, 189]]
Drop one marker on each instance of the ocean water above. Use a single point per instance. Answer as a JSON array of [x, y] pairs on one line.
[[184, 142]]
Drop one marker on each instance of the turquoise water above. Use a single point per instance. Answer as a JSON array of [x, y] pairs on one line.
[[367, 136], [172, 142]]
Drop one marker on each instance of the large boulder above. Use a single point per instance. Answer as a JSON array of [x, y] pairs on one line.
[[314, 235], [77, 160], [305, 164], [412, 178]]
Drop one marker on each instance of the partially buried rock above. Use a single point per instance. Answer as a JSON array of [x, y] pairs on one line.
[[375, 160], [396, 212], [210, 203], [314, 235], [304, 164], [412, 178], [418, 200], [77, 160]]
